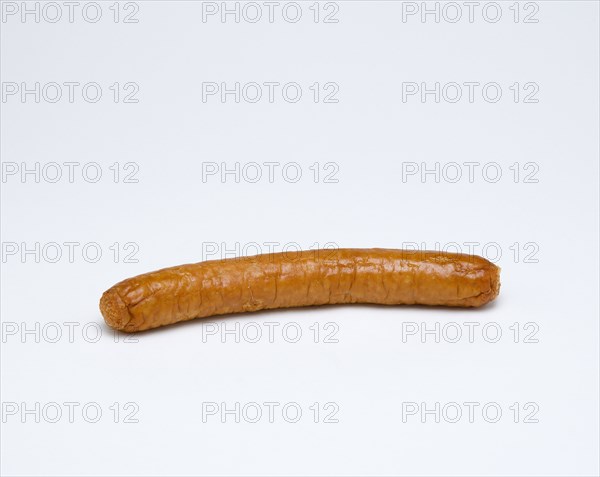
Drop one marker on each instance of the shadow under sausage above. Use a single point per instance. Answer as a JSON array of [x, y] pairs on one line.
[[489, 307]]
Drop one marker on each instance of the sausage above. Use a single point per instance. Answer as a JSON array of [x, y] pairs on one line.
[[306, 278]]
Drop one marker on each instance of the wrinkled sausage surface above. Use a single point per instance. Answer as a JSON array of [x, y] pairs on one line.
[[292, 279]]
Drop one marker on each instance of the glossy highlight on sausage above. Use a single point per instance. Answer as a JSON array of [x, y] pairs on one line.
[[306, 278]]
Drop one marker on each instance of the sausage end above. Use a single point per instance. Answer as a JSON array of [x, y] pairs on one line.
[[494, 289], [495, 282], [115, 312]]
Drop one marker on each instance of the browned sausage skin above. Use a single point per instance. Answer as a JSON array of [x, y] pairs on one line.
[[313, 277]]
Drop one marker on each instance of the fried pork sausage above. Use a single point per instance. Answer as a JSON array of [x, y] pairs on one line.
[[314, 277]]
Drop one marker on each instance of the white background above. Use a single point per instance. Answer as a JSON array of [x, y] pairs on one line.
[[173, 213]]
